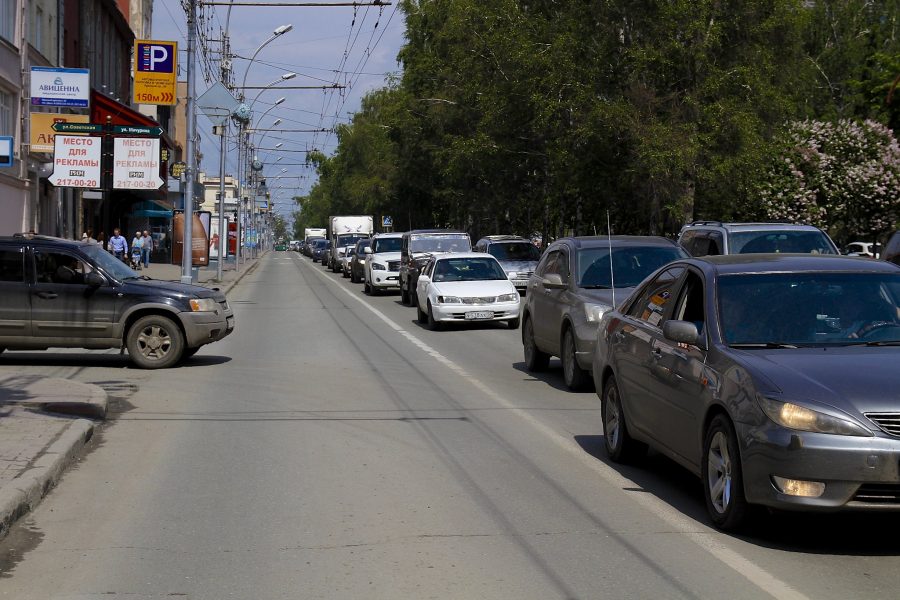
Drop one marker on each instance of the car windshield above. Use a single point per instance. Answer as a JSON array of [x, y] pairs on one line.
[[109, 263], [802, 309], [446, 242], [344, 240], [631, 264], [361, 246], [514, 251], [387, 245], [468, 269], [765, 242]]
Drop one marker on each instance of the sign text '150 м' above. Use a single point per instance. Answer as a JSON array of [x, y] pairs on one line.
[[76, 161]]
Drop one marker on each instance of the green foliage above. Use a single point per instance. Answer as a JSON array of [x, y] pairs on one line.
[[518, 116]]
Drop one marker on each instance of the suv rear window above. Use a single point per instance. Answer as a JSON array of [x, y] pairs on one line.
[[440, 242], [765, 242]]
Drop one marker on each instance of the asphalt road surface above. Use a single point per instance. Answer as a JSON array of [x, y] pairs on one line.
[[333, 448]]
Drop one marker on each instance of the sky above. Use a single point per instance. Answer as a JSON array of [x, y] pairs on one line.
[[356, 47]]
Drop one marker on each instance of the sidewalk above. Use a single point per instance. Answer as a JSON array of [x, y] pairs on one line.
[[41, 433], [42, 419], [206, 275]]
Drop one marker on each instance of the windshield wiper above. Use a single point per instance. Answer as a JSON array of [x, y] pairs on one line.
[[766, 345], [144, 277], [598, 286], [875, 343]]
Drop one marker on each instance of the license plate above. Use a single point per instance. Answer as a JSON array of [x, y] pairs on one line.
[[229, 322], [475, 315]]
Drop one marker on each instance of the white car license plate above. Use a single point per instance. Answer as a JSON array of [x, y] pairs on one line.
[[229, 322], [475, 315]]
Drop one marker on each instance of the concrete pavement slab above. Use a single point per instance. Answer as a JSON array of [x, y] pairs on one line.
[[36, 445]]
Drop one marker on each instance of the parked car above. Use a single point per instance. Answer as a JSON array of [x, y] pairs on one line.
[[774, 379], [382, 265], [317, 249], [518, 257], [281, 246], [891, 251], [465, 287], [574, 284], [347, 256], [417, 247], [57, 293], [358, 262], [867, 249], [711, 238]]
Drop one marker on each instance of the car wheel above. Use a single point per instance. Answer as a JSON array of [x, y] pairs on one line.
[[513, 323], [619, 444], [722, 476], [422, 316], [155, 342], [432, 324], [535, 359], [575, 377]]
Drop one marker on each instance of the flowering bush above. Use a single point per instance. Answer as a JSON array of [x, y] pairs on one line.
[[843, 177]]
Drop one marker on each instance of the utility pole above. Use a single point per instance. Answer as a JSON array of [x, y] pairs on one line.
[[187, 254]]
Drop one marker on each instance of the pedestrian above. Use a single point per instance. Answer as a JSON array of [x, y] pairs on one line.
[[137, 245], [146, 248], [88, 236], [118, 245]]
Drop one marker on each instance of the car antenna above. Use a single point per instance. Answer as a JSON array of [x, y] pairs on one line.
[[612, 279]]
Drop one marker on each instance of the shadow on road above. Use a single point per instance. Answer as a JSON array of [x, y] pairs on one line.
[[845, 533], [553, 377], [89, 359]]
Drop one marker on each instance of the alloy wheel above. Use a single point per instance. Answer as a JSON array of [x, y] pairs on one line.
[[719, 467]]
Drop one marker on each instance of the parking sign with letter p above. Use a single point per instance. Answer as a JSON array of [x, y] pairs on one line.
[[155, 71]]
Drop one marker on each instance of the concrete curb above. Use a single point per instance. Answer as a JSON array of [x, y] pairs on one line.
[[92, 401], [25, 492]]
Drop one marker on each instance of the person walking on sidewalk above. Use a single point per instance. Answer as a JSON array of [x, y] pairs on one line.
[[118, 245], [146, 248]]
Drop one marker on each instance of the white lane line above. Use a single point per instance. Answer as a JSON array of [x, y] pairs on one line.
[[707, 540]]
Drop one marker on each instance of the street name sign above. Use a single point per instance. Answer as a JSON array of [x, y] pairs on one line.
[[76, 161], [155, 72], [136, 164], [52, 86], [68, 127], [137, 130]]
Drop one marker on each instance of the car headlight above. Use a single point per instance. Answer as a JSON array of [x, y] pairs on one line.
[[449, 300], [204, 305], [594, 312], [508, 297], [377, 267], [794, 416]]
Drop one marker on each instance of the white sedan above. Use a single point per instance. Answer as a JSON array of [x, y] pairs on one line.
[[466, 287]]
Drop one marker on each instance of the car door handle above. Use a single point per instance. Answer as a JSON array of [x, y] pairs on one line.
[[47, 295], [656, 352]]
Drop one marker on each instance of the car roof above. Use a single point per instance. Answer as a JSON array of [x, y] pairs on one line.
[[786, 263], [616, 241], [427, 231], [457, 255], [505, 238], [398, 234], [751, 226]]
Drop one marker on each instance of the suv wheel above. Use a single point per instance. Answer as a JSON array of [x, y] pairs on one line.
[[535, 359], [575, 377], [155, 342]]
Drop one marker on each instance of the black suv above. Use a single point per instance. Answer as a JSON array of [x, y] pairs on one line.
[[420, 245], [57, 293]]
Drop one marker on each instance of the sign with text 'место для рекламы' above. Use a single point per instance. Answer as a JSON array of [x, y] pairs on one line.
[[76, 161], [136, 164]]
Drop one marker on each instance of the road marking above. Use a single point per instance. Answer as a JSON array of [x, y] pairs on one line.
[[707, 540]]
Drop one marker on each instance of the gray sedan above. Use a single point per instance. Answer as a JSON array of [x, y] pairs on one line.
[[772, 377]]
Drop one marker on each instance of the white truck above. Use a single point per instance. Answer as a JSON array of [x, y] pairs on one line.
[[313, 232], [346, 231]]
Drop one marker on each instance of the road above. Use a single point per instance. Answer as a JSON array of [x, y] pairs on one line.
[[333, 448]]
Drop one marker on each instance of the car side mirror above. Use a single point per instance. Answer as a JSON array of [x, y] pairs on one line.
[[367, 250], [683, 332], [94, 279], [424, 278], [554, 281]]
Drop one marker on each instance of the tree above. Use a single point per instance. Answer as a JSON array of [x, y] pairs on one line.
[[843, 177]]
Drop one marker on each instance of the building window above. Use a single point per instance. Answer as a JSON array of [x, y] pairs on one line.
[[6, 112], [37, 31], [8, 20]]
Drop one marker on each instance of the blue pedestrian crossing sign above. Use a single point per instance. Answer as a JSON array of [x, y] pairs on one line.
[[387, 221]]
